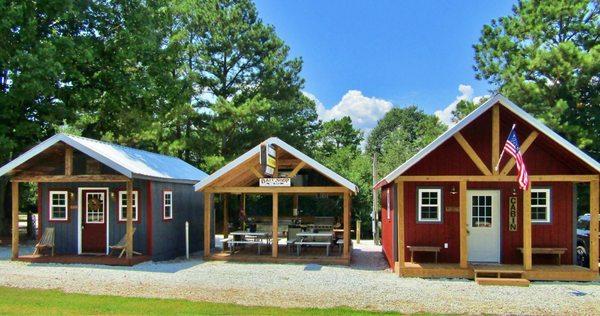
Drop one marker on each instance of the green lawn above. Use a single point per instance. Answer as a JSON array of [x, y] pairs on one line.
[[37, 302]]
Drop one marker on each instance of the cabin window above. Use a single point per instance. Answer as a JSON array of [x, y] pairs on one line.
[[59, 205], [123, 206], [540, 205], [167, 204], [387, 201], [429, 207]]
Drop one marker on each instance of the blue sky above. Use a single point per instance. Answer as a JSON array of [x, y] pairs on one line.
[[362, 57]]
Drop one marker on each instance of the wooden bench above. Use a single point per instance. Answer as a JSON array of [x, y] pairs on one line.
[[414, 249], [548, 251], [231, 244], [299, 245]]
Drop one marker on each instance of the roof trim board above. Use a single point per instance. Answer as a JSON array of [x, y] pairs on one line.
[[498, 98], [286, 147]]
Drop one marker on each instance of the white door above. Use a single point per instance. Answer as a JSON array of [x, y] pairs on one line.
[[483, 222]]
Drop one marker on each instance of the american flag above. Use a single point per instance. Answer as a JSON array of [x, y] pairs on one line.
[[512, 148]]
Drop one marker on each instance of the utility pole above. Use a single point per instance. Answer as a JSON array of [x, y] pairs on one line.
[[375, 213]]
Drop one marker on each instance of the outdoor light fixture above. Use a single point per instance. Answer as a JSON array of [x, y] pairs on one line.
[[112, 195], [514, 191], [71, 195], [453, 191]]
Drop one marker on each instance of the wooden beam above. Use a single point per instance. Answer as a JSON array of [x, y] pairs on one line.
[[400, 225], [495, 137], [499, 178], [511, 163], [284, 190], [68, 161], [256, 172], [295, 205], [129, 224], [346, 224], [297, 169], [225, 198], [207, 234], [472, 154], [15, 220], [78, 178], [594, 209], [527, 229], [275, 239], [464, 244]]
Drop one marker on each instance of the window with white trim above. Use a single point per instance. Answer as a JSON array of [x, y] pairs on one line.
[[429, 207], [540, 205], [389, 216], [59, 202], [123, 206], [167, 204]]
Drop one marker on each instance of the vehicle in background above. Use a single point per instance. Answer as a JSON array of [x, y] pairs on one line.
[[583, 240]]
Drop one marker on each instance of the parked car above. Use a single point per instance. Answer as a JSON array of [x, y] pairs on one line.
[[583, 240]]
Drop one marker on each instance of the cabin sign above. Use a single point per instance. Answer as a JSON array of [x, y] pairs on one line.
[[268, 159], [275, 182], [512, 213]]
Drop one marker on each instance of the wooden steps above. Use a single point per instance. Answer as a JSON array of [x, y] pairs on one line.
[[491, 276]]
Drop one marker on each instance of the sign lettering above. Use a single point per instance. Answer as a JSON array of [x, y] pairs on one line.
[[275, 182], [512, 213]]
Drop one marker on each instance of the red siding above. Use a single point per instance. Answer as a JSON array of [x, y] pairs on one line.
[[387, 224]]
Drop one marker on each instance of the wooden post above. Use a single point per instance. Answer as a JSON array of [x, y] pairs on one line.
[[464, 242], [527, 229], [295, 202], [275, 239], [346, 224], [495, 137], [358, 223], [129, 225], [401, 244], [207, 235], [68, 161], [15, 220], [594, 209], [225, 198]]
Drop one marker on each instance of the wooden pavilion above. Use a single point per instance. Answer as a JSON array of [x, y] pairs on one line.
[[294, 174]]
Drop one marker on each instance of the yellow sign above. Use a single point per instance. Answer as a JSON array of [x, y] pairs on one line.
[[512, 213], [271, 162]]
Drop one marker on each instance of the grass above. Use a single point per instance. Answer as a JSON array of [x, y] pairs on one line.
[[52, 302]]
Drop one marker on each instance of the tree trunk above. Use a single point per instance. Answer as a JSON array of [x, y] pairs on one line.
[[5, 207]]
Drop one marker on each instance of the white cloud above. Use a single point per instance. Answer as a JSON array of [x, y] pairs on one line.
[[364, 111], [466, 93]]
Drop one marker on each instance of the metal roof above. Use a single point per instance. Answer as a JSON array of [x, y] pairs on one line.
[[498, 98], [131, 162], [288, 148]]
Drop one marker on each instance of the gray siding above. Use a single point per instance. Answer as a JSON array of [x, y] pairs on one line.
[[169, 235], [66, 232]]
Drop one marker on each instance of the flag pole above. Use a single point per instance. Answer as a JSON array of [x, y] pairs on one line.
[[502, 153]]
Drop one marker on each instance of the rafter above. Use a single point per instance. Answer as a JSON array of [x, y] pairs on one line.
[[297, 169], [511, 163], [472, 154]]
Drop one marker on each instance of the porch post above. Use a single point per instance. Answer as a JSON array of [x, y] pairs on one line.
[[275, 239], [15, 220], [527, 229], [68, 161], [464, 246], [295, 203], [129, 225], [207, 237], [594, 209], [225, 198], [400, 225], [346, 224]]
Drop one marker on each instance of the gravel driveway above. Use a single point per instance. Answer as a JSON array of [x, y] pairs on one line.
[[365, 285]]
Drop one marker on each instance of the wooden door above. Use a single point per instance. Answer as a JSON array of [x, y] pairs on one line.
[[93, 222]]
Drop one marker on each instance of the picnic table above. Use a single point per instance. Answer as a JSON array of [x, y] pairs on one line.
[[248, 238], [308, 239]]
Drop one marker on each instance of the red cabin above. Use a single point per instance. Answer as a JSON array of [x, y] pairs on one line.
[[447, 212]]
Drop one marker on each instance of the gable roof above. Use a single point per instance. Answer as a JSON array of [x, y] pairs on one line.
[[288, 148], [498, 98], [131, 162]]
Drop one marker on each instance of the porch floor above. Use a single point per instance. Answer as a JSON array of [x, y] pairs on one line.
[[84, 259], [308, 255], [537, 273]]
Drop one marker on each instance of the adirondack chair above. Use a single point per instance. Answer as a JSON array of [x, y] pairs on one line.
[[47, 241], [122, 245]]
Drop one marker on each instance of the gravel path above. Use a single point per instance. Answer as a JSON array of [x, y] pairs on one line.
[[364, 285]]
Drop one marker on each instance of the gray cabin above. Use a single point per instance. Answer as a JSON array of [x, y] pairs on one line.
[[82, 193]]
